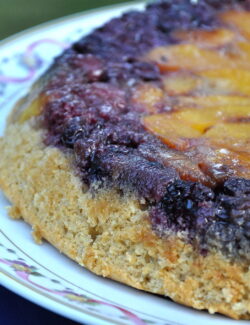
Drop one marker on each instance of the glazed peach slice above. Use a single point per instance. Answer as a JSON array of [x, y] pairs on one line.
[[219, 162], [178, 129], [239, 20], [202, 119], [234, 136], [231, 144], [210, 101], [223, 150], [186, 57], [218, 147], [186, 167], [239, 54], [180, 83], [148, 97], [206, 38], [33, 109], [171, 129], [244, 50], [233, 80]]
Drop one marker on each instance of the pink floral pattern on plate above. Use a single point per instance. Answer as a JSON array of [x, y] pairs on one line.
[[24, 271], [31, 61], [34, 276]]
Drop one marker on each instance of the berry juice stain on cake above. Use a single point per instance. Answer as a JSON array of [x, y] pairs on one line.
[[157, 103]]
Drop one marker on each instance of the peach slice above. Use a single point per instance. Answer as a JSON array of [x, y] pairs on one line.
[[186, 167], [244, 49], [239, 53], [219, 162], [220, 149], [186, 57], [239, 20], [210, 101], [171, 129], [230, 134], [148, 97], [33, 109], [201, 119], [206, 38], [192, 123], [232, 80], [233, 139], [180, 84], [225, 151]]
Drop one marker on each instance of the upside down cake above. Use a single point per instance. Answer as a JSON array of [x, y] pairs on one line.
[[132, 153]]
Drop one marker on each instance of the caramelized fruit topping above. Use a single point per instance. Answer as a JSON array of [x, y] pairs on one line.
[[238, 20]]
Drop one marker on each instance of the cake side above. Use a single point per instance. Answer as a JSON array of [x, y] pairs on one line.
[[111, 234]]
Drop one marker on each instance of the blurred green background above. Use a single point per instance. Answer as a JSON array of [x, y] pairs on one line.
[[16, 15]]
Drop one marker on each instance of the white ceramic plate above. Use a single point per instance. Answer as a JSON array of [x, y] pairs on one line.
[[40, 273]]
